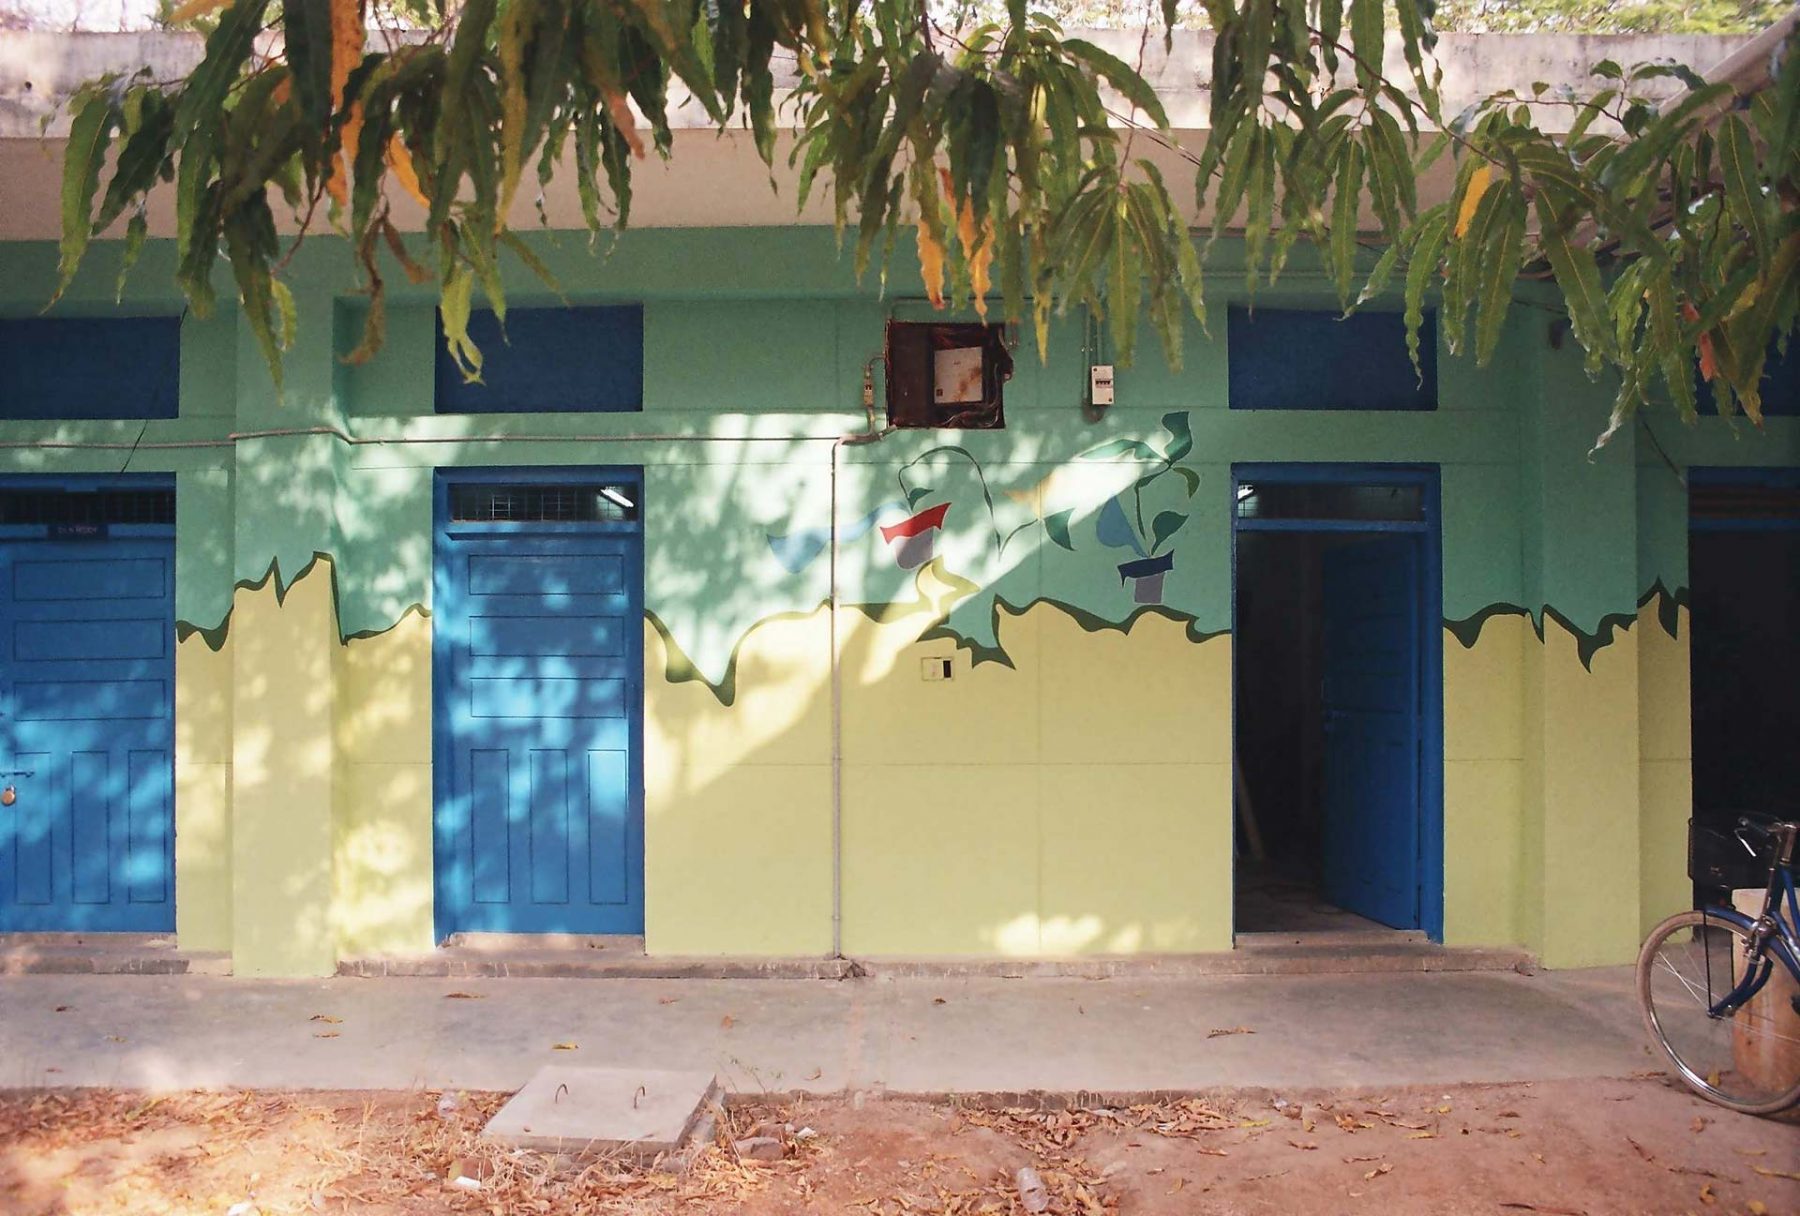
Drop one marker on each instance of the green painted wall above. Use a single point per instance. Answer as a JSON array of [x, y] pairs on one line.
[[755, 340]]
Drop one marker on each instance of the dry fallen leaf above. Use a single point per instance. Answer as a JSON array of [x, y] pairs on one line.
[[1223, 1031], [115, 1038], [938, 1000], [565, 1047], [1303, 1145], [1422, 1136], [1768, 1173], [1179, 1183], [815, 1074], [1757, 1207], [325, 1018], [463, 996], [1377, 1172], [1700, 1123], [667, 1000], [1443, 1110], [325, 1034], [64, 1008], [727, 1022]]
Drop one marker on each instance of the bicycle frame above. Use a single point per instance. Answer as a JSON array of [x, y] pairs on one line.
[[1777, 935]]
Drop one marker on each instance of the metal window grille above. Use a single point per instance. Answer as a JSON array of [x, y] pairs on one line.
[[57, 507], [536, 504]]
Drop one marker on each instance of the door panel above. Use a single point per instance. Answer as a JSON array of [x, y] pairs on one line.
[[1371, 701], [539, 672], [87, 669]]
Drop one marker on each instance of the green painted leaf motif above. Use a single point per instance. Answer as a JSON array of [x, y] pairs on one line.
[[1165, 525], [1181, 436], [1113, 449], [1056, 527]]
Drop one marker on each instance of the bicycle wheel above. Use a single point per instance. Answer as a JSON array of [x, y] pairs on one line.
[[1748, 1061]]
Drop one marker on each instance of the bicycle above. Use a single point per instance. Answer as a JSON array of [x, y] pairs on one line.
[[1703, 976]]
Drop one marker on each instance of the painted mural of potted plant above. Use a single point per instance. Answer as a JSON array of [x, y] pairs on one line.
[[912, 538], [1122, 523]]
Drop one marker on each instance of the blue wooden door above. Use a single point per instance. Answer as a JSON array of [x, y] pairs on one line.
[[1372, 723], [87, 735], [539, 672]]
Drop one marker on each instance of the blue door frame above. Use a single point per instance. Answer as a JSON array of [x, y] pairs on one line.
[[1428, 532], [87, 741], [461, 904]]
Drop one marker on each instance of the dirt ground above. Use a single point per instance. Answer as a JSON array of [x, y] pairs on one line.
[[1629, 1146]]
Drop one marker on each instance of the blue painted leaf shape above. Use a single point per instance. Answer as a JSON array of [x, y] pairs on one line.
[[1114, 528]]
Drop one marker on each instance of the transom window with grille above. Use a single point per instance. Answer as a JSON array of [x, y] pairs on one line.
[[543, 504], [58, 508]]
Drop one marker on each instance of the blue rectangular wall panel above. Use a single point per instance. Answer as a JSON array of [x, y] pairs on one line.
[[550, 360], [90, 367], [1313, 359]]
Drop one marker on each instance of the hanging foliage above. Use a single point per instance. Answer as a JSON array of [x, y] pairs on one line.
[[1005, 147]]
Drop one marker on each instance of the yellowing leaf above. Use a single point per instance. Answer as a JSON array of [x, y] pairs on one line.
[[195, 8], [931, 264], [347, 37], [625, 121], [400, 161], [1479, 181], [565, 1047]]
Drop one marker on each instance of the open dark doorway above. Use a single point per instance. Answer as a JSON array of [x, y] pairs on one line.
[[1335, 700], [1744, 581]]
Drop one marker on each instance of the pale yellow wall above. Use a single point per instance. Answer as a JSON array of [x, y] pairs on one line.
[[203, 717], [1075, 802], [1484, 746], [382, 843], [1665, 766], [281, 778], [1582, 819], [737, 800]]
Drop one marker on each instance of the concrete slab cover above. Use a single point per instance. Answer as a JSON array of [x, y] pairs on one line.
[[646, 1111]]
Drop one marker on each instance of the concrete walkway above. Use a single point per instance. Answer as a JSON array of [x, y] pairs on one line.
[[901, 1035]]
